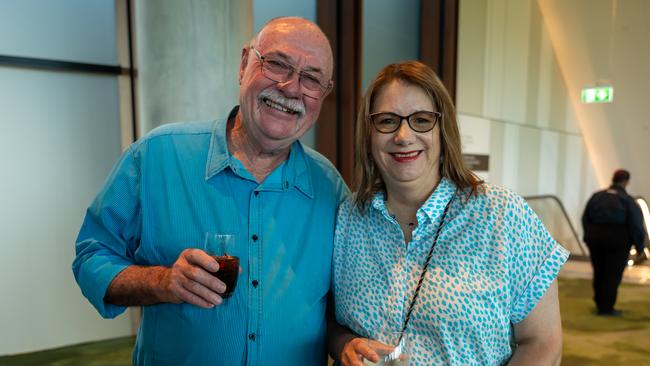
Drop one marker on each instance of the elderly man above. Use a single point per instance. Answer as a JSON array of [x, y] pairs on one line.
[[247, 175]]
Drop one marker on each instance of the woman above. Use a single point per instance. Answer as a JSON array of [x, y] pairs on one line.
[[486, 264]]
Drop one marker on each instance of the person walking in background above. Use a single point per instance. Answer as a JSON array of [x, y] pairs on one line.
[[612, 222], [246, 174]]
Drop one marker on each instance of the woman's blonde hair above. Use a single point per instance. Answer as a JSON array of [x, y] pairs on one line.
[[367, 178]]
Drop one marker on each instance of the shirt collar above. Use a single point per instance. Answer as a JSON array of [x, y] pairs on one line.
[[618, 187], [296, 172], [432, 208]]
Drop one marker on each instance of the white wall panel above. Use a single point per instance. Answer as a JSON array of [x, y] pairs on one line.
[[544, 82], [536, 144], [497, 146], [59, 136], [515, 60], [529, 158], [494, 59], [511, 152], [548, 162], [605, 42], [572, 178], [71, 30], [471, 57]]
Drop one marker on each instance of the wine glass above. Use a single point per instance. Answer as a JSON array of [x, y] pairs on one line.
[[393, 348], [221, 247]]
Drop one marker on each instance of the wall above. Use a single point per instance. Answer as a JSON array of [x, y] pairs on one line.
[[188, 55], [391, 33], [509, 74], [59, 136], [606, 42]]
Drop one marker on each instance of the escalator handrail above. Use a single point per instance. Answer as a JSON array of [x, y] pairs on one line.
[[566, 216], [645, 223]]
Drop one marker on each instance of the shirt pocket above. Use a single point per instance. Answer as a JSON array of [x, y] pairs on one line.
[[166, 239]]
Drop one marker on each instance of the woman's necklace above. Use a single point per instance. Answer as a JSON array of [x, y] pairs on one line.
[[409, 224], [407, 228]]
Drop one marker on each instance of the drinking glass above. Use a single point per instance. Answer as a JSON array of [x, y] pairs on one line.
[[221, 247], [392, 350]]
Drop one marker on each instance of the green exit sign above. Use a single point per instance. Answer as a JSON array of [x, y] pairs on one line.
[[601, 94]]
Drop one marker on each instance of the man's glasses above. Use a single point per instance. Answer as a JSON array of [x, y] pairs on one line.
[[280, 71], [421, 121]]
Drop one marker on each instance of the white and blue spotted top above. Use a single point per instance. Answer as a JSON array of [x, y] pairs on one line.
[[492, 263]]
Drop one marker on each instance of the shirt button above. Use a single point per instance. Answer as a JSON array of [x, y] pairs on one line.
[[254, 237], [255, 283], [251, 336]]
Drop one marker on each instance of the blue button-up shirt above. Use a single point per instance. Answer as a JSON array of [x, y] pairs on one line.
[[179, 182]]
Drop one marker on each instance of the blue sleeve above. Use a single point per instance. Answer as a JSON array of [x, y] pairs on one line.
[[109, 234], [536, 259]]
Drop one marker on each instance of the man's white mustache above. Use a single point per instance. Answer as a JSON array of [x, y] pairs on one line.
[[277, 97]]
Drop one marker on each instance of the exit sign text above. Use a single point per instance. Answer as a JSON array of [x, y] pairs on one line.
[[601, 94]]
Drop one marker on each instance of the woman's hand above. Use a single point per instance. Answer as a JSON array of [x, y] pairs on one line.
[[358, 349]]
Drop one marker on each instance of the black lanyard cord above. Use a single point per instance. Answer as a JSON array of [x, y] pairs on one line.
[[424, 271]]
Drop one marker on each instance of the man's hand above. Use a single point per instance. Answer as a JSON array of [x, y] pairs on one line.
[[640, 257], [189, 280], [358, 349]]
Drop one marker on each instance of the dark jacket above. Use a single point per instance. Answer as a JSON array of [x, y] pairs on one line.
[[614, 207]]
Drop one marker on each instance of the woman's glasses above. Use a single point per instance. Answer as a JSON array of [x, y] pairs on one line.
[[421, 121]]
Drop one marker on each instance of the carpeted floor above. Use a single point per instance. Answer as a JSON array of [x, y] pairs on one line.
[[589, 340], [113, 352]]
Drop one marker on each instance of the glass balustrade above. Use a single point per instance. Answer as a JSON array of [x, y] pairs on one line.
[[552, 213]]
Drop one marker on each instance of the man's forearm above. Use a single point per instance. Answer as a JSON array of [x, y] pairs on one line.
[[138, 285]]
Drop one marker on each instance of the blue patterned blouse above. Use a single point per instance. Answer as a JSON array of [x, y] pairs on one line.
[[493, 262]]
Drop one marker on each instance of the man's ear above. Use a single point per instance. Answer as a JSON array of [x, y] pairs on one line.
[[330, 87], [244, 62]]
